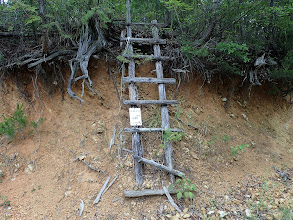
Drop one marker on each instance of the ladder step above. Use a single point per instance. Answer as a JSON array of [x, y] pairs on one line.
[[144, 40], [151, 57], [148, 80], [150, 102], [145, 130], [142, 24]]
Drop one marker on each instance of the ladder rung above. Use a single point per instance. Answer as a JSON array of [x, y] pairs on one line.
[[149, 80], [145, 40], [140, 130], [151, 57], [150, 102], [149, 24]]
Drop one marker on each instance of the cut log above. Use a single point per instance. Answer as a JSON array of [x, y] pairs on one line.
[[144, 40], [152, 57], [142, 130], [160, 166], [148, 80], [149, 192], [150, 102]]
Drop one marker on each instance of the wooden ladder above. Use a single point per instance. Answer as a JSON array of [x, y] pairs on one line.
[[134, 102]]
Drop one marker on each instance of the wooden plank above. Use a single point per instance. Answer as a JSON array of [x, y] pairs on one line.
[[151, 57], [144, 130], [133, 95], [162, 96], [150, 102], [144, 40], [148, 192], [160, 166], [145, 24], [148, 80]]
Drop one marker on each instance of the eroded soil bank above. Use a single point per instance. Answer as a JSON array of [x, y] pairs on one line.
[[231, 183]]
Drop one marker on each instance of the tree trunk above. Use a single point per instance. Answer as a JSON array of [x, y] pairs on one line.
[[44, 38]]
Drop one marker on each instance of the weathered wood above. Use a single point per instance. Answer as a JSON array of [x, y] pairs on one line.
[[171, 199], [101, 191], [150, 102], [160, 166], [144, 40], [143, 130], [133, 95], [114, 179], [162, 96], [112, 142], [144, 24], [148, 192], [148, 80], [52, 56], [151, 57]]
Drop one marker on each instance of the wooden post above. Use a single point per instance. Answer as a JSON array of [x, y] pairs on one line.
[[162, 96], [133, 95]]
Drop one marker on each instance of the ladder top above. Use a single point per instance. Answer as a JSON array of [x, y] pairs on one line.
[[144, 40]]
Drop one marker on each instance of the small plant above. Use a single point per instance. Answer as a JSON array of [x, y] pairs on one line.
[[226, 138], [11, 126], [238, 148], [184, 188], [33, 189], [5, 202], [169, 136]]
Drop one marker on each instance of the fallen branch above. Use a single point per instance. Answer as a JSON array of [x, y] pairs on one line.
[[148, 192], [171, 199], [81, 207], [159, 166], [190, 125], [89, 166], [112, 142], [114, 179], [101, 191]]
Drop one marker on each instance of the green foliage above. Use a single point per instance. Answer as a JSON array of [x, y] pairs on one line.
[[236, 50], [238, 148], [11, 126], [286, 72], [35, 124], [184, 188], [169, 136], [5, 202]]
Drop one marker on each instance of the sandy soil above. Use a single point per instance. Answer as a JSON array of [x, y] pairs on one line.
[[51, 183]]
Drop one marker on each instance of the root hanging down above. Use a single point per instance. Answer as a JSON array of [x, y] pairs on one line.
[[86, 49]]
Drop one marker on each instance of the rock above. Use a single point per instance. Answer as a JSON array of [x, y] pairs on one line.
[[67, 193], [27, 170], [224, 99], [223, 214], [248, 213], [31, 167], [232, 115], [148, 185], [211, 212], [185, 210]]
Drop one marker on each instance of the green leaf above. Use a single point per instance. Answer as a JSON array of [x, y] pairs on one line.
[[170, 187], [186, 194], [179, 195], [191, 195]]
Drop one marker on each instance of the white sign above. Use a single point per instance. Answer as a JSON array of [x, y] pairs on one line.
[[135, 116]]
